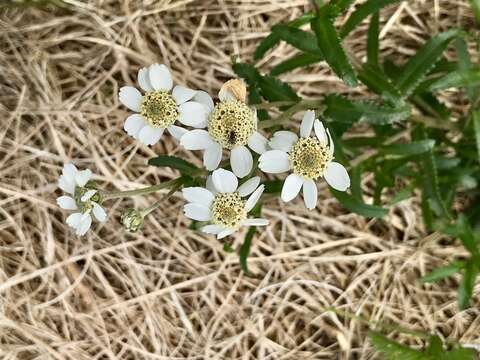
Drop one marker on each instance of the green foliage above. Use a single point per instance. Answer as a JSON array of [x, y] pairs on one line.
[[358, 206], [173, 162]]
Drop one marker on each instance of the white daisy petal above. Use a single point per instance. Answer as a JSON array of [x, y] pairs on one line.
[[253, 199], [310, 194], [176, 131], [249, 186], [182, 94], [82, 177], [291, 187], [134, 124], [283, 140], [84, 224], [320, 132], [160, 77], [337, 176], [197, 212], [255, 222], [198, 195], [225, 181], [331, 145], [99, 212], [150, 135], [209, 185], [74, 220], [193, 114], [225, 233], [69, 170], [212, 157], [66, 184], [307, 123], [274, 162], [143, 80], [212, 229], [67, 203], [196, 140], [88, 195], [131, 98], [205, 99], [241, 161], [258, 143]]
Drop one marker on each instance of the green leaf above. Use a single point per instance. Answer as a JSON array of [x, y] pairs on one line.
[[460, 78], [362, 12], [273, 89], [331, 47], [339, 6], [475, 4], [476, 128], [443, 272], [273, 186], [302, 40], [465, 290], [372, 41], [409, 149], [227, 247], [300, 60], [423, 61], [353, 204], [376, 80], [393, 350], [247, 72], [245, 249], [174, 162]]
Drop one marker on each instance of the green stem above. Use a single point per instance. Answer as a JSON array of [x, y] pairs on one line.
[[142, 191], [155, 205], [285, 117]]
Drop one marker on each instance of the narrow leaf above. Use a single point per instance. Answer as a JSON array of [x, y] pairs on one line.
[[393, 350], [273, 89], [443, 272], [355, 205], [297, 61], [247, 72], [245, 249], [409, 149], [376, 80], [300, 39], [173, 162], [459, 78], [372, 40], [465, 290], [476, 127], [475, 4]]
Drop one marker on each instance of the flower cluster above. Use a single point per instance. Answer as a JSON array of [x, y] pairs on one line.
[[229, 127]]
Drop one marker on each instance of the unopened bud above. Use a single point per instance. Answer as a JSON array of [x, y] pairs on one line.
[[132, 220]]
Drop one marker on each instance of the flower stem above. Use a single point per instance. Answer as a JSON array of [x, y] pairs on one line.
[[142, 191], [285, 117], [155, 205]]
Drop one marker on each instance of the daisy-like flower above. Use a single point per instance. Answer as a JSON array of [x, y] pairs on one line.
[[232, 125], [221, 203], [158, 109], [83, 198], [307, 157]]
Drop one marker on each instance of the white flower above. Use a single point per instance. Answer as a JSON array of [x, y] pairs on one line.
[[232, 125], [221, 203], [84, 198], [308, 158], [158, 109]]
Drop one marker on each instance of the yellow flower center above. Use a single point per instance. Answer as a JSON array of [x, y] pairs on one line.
[[159, 109], [228, 210], [309, 158], [231, 123]]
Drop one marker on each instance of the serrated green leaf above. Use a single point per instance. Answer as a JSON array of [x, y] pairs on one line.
[[247, 72], [443, 272], [459, 353], [475, 4], [376, 80], [393, 350], [340, 109], [460, 78], [409, 149], [273, 89], [372, 40], [476, 128], [338, 6], [273, 186], [423, 61], [357, 206], [300, 60], [465, 290], [300, 39], [329, 43], [362, 12], [174, 162]]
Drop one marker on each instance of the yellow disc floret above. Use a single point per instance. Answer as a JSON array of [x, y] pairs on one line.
[[228, 209], [159, 109], [309, 158], [231, 123]]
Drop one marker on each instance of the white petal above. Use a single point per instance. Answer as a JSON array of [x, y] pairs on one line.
[[241, 161], [310, 194], [176, 131], [283, 140], [253, 199], [205, 99], [150, 135], [212, 229], [160, 77], [274, 162], [87, 196], [66, 184], [320, 132], [197, 212], [258, 143], [225, 233], [225, 181], [196, 140], [70, 170], [291, 187], [74, 220], [255, 222], [209, 185], [143, 80], [198, 195], [331, 145], [67, 203], [134, 124], [99, 212], [307, 123], [194, 114], [130, 97], [84, 224], [337, 176], [182, 94], [82, 177], [249, 186], [212, 157]]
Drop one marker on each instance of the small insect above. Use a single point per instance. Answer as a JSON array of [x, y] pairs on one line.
[[232, 137]]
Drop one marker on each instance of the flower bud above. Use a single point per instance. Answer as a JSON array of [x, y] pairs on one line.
[[132, 220], [234, 89]]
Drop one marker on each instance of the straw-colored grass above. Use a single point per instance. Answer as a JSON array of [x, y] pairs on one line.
[[169, 292]]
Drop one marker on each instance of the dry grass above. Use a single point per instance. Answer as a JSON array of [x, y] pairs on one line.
[[168, 292]]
